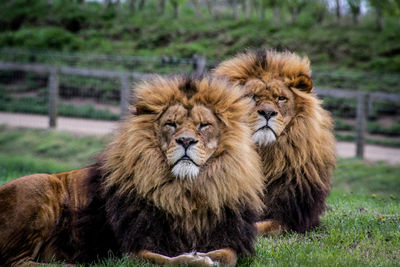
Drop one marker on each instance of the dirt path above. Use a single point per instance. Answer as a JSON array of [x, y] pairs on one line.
[[95, 127]]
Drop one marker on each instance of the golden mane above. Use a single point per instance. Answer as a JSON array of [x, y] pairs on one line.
[[306, 149], [298, 166], [135, 164], [268, 64]]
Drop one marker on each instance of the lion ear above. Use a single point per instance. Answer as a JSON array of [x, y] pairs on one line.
[[302, 82]]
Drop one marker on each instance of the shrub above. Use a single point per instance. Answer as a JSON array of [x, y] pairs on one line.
[[49, 37]]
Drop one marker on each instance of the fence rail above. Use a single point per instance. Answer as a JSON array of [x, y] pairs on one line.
[[364, 99]]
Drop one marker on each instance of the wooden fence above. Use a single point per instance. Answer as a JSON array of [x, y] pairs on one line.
[[364, 99]]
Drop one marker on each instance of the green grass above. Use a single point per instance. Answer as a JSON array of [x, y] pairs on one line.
[[361, 226]]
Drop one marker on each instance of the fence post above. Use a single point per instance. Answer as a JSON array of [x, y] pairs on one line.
[[199, 65], [362, 103], [125, 95], [53, 84], [370, 106]]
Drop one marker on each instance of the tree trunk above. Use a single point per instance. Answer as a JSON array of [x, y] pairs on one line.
[[295, 14], [338, 11], [234, 9], [215, 8], [107, 4], [249, 9], [261, 12], [197, 10], [277, 15], [141, 4], [356, 18], [210, 7], [175, 7], [132, 5], [161, 7], [379, 19]]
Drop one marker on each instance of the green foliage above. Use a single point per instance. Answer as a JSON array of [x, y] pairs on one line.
[[47, 37], [376, 128], [119, 29], [341, 125], [13, 14], [341, 107]]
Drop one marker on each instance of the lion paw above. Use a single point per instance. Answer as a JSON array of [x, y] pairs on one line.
[[194, 259]]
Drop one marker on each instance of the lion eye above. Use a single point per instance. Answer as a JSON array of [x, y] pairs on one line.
[[282, 98], [254, 97], [204, 125], [170, 124]]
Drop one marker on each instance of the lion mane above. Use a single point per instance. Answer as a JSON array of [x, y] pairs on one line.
[[129, 201], [298, 165]]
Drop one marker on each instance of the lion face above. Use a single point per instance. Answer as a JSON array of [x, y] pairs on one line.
[[274, 80], [187, 149], [188, 138], [274, 107]]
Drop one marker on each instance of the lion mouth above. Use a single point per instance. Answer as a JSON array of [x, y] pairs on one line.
[[185, 158], [266, 127], [185, 168]]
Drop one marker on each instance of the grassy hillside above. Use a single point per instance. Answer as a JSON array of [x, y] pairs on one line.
[[360, 226], [69, 26]]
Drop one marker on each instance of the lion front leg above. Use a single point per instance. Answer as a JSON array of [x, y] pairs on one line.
[[269, 227], [190, 259]]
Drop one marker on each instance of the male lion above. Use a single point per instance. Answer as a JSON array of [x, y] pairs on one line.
[[179, 184], [293, 133]]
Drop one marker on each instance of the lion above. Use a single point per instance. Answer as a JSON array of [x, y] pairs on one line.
[[293, 134], [180, 183]]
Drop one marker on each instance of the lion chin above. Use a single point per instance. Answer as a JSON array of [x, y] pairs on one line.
[[266, 131], [185, 169], [264, 137]]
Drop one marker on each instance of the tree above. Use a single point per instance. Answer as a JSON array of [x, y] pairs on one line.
[[132, 5], [176, 5], [295, 7], [234, 5], [197, 10], [395, 9], [318, 9], [379, 6], [142, 3], [276, 6], [107, 3], [161, 7], [355, 9], [338, 10], [261, 5], [211, 4]]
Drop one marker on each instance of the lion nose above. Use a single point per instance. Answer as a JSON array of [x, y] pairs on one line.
[[186, 141], [267, 114]]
